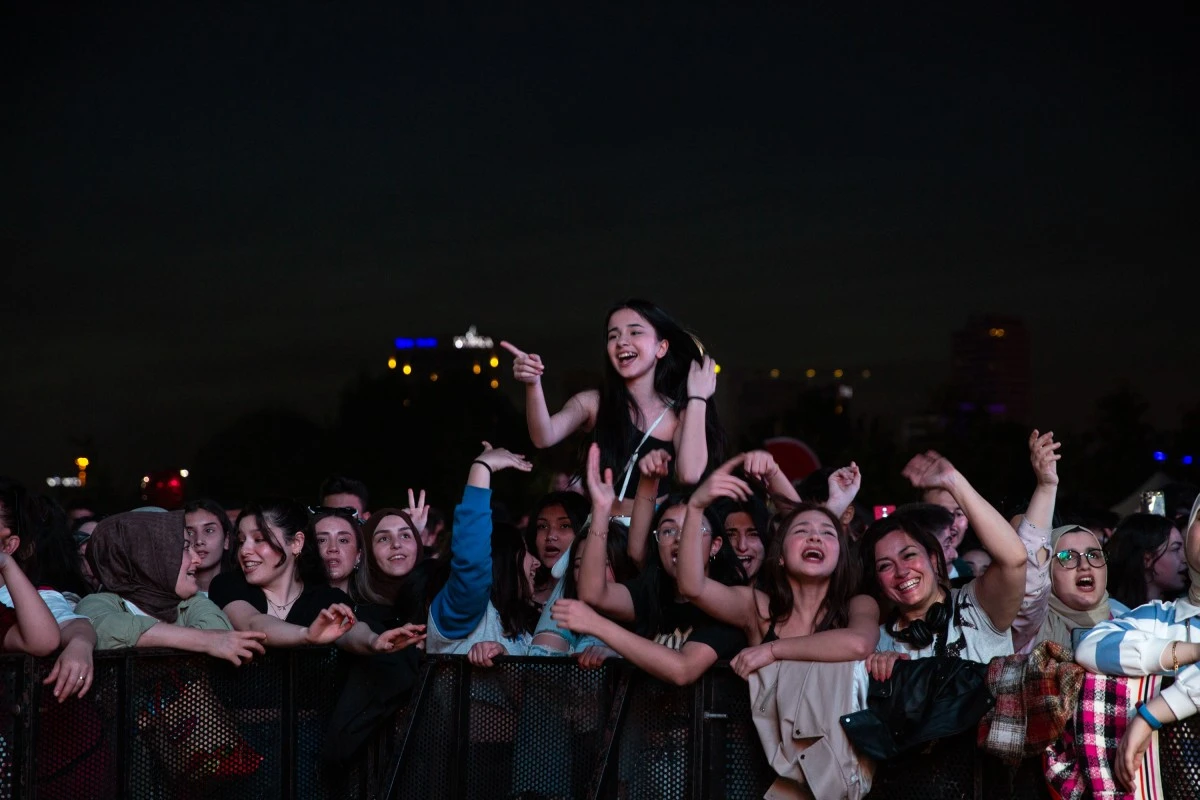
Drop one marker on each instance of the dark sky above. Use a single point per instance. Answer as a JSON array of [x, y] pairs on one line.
[[211, 207]]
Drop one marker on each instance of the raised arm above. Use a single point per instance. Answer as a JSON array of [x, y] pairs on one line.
[[853, 643], [676, 667], [36, 633], [1001, 588], [546, 430], [691, 442], [652, 468], [1033, 528], [594, 587], [1044, 457], [843, 488], [733, 605], [461, 603]]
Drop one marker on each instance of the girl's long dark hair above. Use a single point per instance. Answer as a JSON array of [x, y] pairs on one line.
[[511, 594], [843, 583], [47, 554], [724, 568], [1137, 535], [616, 430]]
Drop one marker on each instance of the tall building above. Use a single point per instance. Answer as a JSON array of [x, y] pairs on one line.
[[991, 368]]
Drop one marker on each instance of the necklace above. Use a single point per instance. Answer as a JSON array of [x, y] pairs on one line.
[[281, 609]]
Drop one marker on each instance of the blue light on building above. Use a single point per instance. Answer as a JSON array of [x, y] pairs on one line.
[[1159, 455], [404, 344], [1187, 461], [426, 342]]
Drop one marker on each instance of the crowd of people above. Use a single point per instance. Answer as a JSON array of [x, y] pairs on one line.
[[665, 550]]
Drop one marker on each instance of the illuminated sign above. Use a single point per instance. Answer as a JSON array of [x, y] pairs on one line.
[[57, 481], [408, 343], [471, 340]]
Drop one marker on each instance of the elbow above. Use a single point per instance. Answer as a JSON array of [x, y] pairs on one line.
[[688, 473], [590, 594], [863, 648], [688, 591], [44, 645], [539, 441], [682, 676]]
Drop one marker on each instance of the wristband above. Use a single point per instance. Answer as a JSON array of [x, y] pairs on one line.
[[1175, 657], [483, 464], [692, 397], [1151, 720]]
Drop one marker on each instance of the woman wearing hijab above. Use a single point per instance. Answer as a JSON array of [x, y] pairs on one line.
[[1160, 638], [146, 568], [1078, 577]]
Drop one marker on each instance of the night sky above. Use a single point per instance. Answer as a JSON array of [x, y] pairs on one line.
[[212, 207]]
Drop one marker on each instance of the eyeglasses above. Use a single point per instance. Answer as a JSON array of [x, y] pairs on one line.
[[667, 534], [1070, 559], [341, 511]]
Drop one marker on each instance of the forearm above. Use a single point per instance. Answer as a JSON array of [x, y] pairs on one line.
[[280, 633], [359, 640], [78, 633], [1040, 512], [833, 645], [689, 563], [691, 449], [1117, 647], [781, 487], [36, 631], [995, 534], [537, 416], [644, 506], [593, 586], [164, 634], [658, 660]]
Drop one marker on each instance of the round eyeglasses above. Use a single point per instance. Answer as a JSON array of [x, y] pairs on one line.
[[1070, 559]]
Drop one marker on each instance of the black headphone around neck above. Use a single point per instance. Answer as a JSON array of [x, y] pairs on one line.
[[920, 633]]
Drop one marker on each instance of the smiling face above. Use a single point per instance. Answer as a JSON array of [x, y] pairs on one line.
[[743, 536], [811, 546], [1083, 587], [338, 545], [185, 583], [1166, 569], [906, 574], [553, 534], [261, 564], [633, 345], [208, 537], [941, 497], [395, 546]]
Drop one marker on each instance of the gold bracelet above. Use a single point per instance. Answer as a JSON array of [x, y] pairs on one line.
[[1175, 657]]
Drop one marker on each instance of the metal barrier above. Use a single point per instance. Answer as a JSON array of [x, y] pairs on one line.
[[160, 724]]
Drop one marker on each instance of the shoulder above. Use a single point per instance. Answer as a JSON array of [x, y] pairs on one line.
[[230, 586], [864, 604], [98, 602]]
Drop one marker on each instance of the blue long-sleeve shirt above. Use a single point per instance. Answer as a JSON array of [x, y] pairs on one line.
[[461, 603]]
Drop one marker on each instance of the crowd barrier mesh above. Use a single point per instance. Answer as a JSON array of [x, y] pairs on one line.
[[162, 725]]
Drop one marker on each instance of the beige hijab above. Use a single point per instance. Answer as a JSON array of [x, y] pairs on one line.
[[1062, 619], [1193, 569]]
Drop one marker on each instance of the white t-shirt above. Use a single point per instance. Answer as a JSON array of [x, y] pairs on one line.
[[489, 629], [970, 634], [59, 606]]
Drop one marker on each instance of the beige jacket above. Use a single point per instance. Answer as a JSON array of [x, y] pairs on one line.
[[796, 707]]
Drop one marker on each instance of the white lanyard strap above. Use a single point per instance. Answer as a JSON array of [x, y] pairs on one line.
[[629, 467]]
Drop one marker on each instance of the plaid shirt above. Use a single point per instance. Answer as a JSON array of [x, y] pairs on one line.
[[1036, 696], [1080, 764]]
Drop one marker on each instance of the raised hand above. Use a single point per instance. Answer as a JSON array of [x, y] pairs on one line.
[[527, 367], [417, 511], [498, 458], [1044, 457], [600, 488], [237, 647], [399, 638], [722, 483], [330, 624], [482, 653], [655, 464], [844, 485], [760, 465], [930, 470], [752, 659], [702, 378]]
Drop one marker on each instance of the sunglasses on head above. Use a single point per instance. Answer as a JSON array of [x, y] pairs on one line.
[[341, 511]]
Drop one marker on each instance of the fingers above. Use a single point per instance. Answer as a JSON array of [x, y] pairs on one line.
[[412, 501], [486, 446], [732, 464], [514, 350]]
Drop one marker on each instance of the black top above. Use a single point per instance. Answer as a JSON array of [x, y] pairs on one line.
[[682, 623], [771, 635], [230, 586]]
